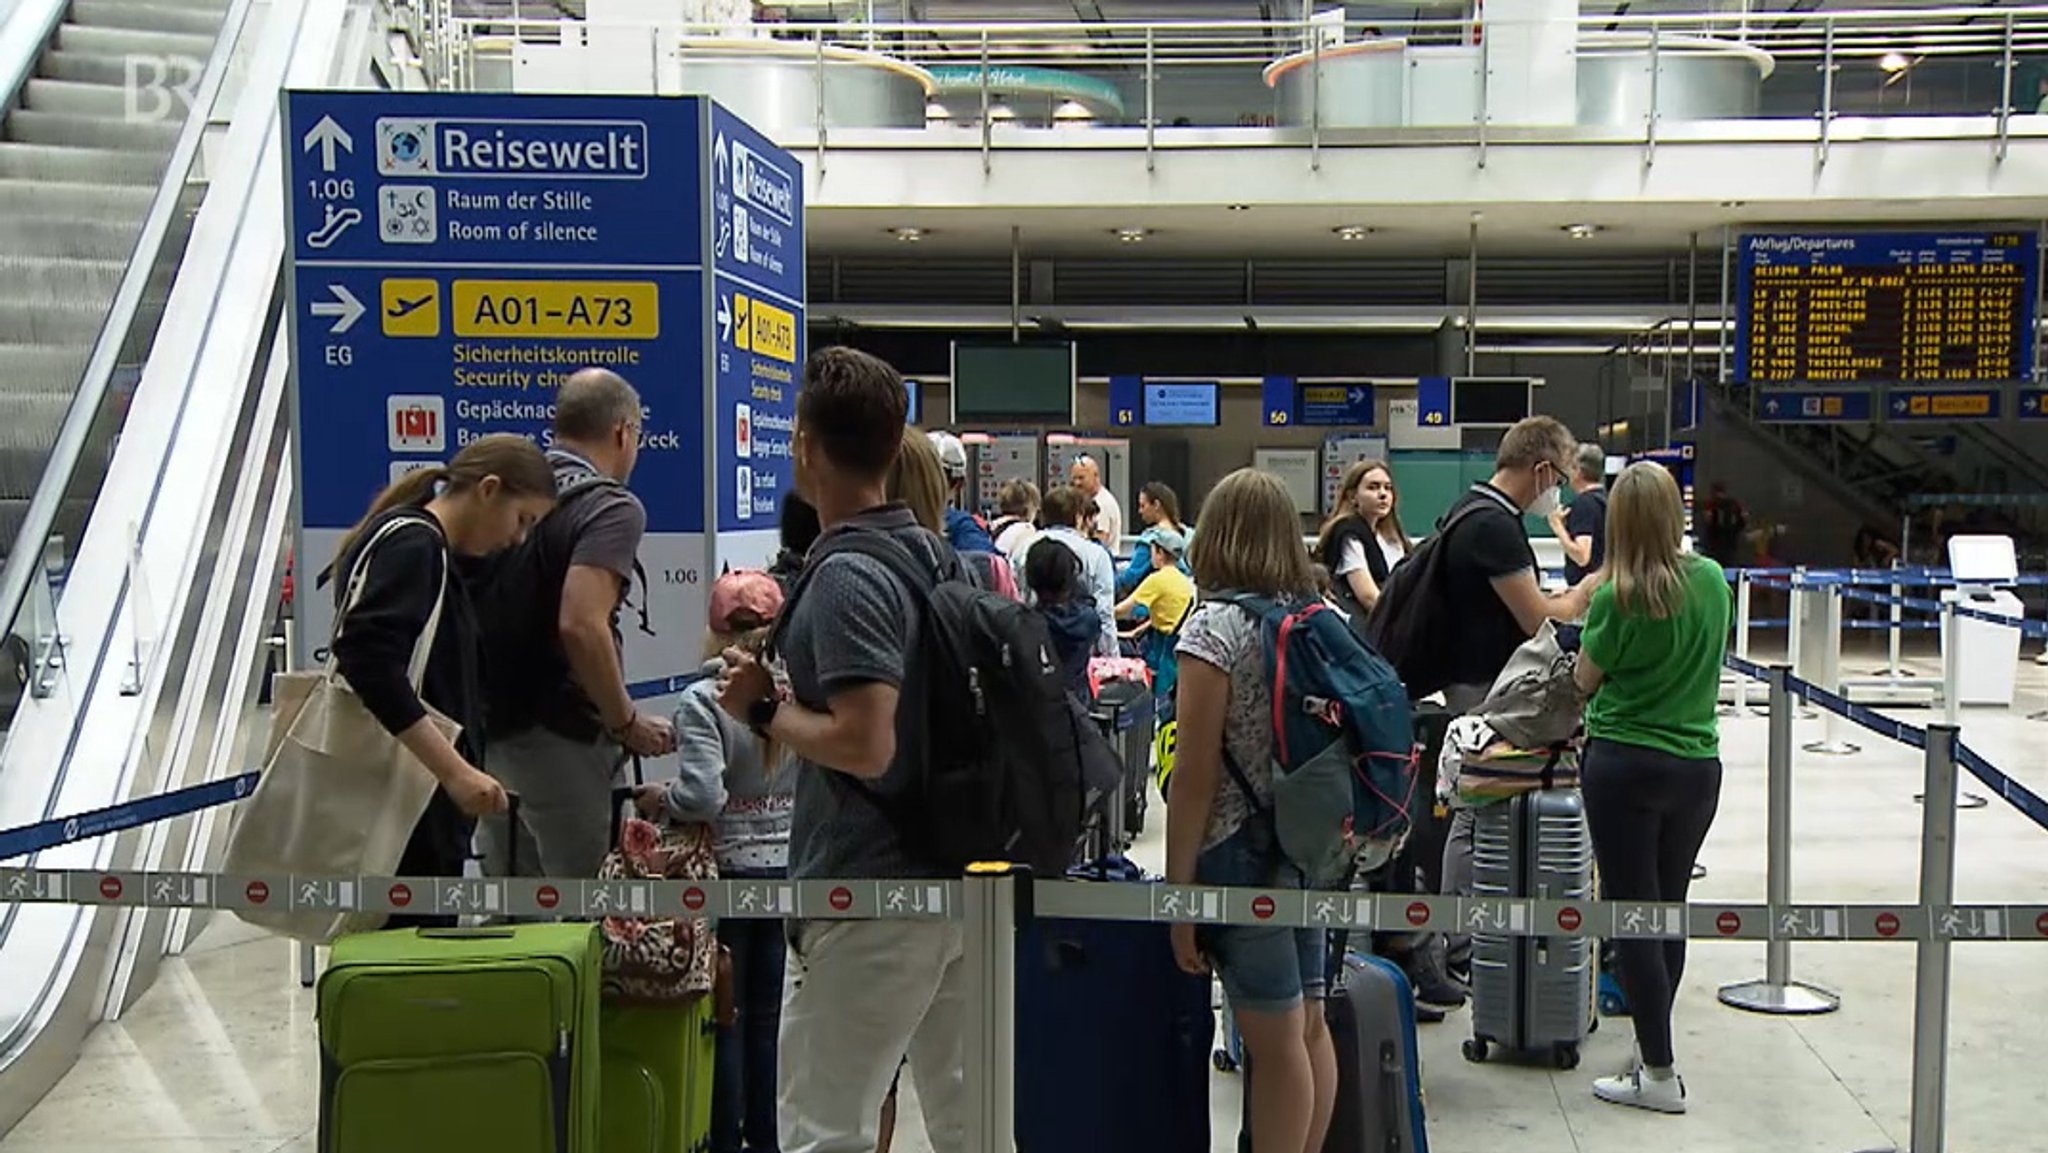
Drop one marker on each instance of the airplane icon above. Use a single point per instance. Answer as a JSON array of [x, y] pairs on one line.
[[411, 306]]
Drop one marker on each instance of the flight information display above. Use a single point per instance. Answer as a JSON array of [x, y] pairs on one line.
[[1875, 308]]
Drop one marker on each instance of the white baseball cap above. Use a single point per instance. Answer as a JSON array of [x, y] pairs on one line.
[[952, 454]]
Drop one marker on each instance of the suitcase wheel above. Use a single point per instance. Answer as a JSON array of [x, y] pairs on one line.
[[1475, 1049], [1611, 1005], [1224, 1062], [1566, 1056]]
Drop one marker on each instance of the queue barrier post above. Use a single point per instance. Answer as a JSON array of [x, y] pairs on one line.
[[1931, 967], [285, 643], [1951, 666], [1777, 993], [993, 898], [1832, 743], [1744, 591]]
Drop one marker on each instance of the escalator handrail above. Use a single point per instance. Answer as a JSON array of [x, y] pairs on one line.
[[26, 554]]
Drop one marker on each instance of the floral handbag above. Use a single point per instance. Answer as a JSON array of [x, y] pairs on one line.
[[664, 960]]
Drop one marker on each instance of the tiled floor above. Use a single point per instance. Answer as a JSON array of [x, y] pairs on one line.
[[220, 1056]]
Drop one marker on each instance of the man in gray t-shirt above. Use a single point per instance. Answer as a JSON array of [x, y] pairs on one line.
[[867, 994], [855, 624]]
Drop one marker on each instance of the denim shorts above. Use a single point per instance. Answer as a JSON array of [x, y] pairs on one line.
[[1263, 970]]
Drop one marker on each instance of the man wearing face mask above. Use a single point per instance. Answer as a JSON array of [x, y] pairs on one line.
[[1491, 578]]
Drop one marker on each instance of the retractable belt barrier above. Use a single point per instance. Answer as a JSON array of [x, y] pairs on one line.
[[929, 900]]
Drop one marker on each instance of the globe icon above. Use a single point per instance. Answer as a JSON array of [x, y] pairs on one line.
[[405, 147]]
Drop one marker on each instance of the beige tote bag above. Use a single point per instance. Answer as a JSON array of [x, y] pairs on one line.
[[339, 795]]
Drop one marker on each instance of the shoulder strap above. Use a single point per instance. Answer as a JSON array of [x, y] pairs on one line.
[[876, 544], [423, 646]]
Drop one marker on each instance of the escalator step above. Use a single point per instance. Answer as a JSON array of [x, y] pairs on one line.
[[21, 198], [40, 368], [77, 237], [71, 323], [80, 165], [152, 17], [52, 128], [117, 43], [91, 67], [75, 99], [60, 278]]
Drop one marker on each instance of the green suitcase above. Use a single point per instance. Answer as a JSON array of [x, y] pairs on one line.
[[659, 1063], [433, 1040]]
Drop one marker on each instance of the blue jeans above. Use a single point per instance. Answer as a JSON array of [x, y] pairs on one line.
[[743, 1113], [1263, 970]]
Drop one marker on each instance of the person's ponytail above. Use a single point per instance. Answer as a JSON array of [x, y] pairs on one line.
[[414, 488]]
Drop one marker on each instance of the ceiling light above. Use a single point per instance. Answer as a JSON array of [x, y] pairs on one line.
[[1001, 112], [1239, 207], [933, 110], [1133, 235], [1893, 62], [1734, 204], [1072, 110], [1352, 232], [909, 235], [1581, 231]]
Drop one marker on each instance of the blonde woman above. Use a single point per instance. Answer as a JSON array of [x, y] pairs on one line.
[[1363, 539], [1651, 657], [1250, 543], [918, 479]]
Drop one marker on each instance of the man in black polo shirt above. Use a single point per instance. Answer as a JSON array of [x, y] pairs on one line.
[[1492, 579], [1582, 528]]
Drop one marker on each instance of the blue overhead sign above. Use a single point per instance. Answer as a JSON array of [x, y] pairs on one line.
[[1126, 401], [1338, 404], [756, 236], [1813, 406], [455, 258], [1276, 401], [2033, 404], [1433, 402], [1944, 404]]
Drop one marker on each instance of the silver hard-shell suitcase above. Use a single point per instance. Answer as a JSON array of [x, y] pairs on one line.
[[1532, 994]]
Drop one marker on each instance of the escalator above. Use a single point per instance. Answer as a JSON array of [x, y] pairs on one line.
[[81, 159], [145, 473]]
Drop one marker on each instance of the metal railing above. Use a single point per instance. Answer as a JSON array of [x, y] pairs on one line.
[[1819, 67]]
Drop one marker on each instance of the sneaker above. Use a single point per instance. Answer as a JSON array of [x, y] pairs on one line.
[[1433, 986], [1424, 1015], [1638, 1090]]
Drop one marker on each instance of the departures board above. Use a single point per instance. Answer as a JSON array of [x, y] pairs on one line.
[[1881, 308]]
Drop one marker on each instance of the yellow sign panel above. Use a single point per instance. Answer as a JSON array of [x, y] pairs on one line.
[[411, 307], [552, 309], [1325, 394], [1963, 404], [774, 332], [742, 322]]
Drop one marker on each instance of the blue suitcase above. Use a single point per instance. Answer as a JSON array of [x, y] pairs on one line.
[[1113, 1040]]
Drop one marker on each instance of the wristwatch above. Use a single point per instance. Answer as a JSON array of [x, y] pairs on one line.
[[761, 713]]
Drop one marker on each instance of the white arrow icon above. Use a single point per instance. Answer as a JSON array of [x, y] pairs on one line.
[[324, 136], [718, 156], [345, 308], [725, 318]]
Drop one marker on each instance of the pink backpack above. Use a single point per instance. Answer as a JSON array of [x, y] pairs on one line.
[[993, 571]]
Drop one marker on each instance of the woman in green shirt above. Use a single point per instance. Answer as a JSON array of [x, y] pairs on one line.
[[1651, 656]]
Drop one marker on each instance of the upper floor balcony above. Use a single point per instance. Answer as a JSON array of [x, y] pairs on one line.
[[1682, 121]]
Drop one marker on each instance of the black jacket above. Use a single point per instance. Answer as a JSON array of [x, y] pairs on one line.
[[375, 642]]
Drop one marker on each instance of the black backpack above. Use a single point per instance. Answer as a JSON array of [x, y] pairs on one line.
[[518, 598], [1411, 625], [997, 746]]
